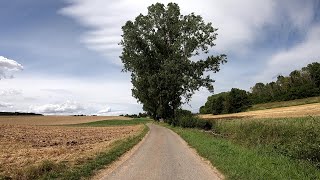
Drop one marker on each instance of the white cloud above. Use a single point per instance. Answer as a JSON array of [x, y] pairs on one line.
[[47, 93], [69, 107], [8, 67], [238, 21], [5, 105], [294, 58], [106, 110], [109, 112], [10, 92]]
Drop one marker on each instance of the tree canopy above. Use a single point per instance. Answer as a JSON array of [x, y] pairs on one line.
[[299, 84], [162, 51]]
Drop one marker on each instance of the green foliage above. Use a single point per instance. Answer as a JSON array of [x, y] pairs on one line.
[[157, 50], [299, 84], [140, 115], [238, 162], [186, 119], [297, 138], [314, 71], [215, 104], [236, 100], [204, 110]]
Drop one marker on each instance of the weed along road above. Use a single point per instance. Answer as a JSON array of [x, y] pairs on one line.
[[163, 155]]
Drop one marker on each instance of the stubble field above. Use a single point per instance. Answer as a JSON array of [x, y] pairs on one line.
[[283, 112], [23, 143], [55, 120]]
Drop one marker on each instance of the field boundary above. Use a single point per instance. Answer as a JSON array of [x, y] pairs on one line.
[[105, 159], [279, 104], [312, 109], [122, 159], [238, 162]]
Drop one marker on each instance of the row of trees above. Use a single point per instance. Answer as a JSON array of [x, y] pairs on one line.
[[140, 115], [299, 84]]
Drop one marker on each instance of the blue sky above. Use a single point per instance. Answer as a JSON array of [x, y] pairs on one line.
[[69, 52]]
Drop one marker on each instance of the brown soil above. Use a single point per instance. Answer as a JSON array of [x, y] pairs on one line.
[[293, 111], [23, 145], [55, 120]]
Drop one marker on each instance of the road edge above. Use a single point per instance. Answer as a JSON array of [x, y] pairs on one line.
[[102, 173], [194, 151]]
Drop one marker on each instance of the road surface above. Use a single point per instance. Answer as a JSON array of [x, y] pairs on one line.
[[163, 155]]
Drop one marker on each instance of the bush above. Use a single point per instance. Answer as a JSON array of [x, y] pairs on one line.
[[186, 119], [203, 124]]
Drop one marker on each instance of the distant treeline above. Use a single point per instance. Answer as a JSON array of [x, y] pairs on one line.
[[140, 115], [19, 114], [299, 84]]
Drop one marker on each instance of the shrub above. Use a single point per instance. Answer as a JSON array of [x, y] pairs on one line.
[[186, 119]]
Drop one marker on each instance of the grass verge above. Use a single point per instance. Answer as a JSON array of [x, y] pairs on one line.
[[239, 162], [296, 102], [51, 170], [135, 121], [297, 138]]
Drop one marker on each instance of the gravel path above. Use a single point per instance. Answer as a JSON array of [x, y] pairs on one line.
[[163, 155]]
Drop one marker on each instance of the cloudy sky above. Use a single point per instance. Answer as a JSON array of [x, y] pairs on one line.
[[62, 57]]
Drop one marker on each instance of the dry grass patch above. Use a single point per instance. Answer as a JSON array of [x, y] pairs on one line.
[[55, 120], [23, 145], [293, 111]]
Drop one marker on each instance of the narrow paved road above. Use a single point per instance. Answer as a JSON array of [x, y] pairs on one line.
[[163, 155]]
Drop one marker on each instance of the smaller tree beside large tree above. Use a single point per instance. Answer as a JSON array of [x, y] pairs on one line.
[[157, 50]]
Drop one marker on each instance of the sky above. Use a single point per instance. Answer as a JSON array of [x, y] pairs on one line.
[[62, 56]]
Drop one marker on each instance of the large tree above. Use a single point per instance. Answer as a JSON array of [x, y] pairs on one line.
[[237, 100], [160, 49]]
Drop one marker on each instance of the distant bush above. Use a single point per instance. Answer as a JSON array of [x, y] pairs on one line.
[[140, 115], [19, 114], [186, 119], [79, 115]]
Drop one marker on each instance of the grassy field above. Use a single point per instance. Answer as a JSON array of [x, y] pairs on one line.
[[247, 151], [283, 112], [32, 151], [55, 120], [285, 103], [297, 138], [116, 122]]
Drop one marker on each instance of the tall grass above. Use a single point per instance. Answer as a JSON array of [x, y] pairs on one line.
[[297, 138], [238, 162]]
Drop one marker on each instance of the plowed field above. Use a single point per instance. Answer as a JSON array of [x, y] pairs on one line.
[[24, 145], [55, 120]]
